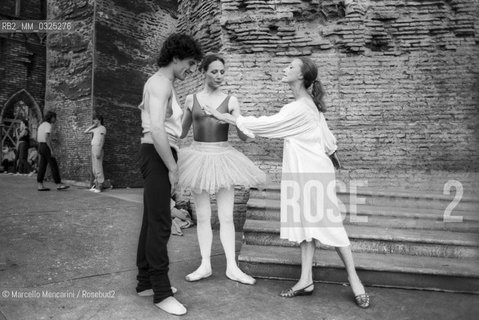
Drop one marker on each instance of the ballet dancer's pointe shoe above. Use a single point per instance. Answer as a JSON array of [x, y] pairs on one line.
[[290, 293], [241, 278], [172, 306], [196, 276], [149, 292]]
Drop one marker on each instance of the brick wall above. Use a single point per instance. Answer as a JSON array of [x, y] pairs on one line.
[[22, 58], [400, 76], [121, 69], [101, 69], [201, 20], [29, 9], [69, 85]]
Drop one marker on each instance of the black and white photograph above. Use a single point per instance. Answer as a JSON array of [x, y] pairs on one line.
[[239, 159]]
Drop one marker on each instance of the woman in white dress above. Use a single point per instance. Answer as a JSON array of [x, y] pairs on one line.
[[305, 219], [212, 166]]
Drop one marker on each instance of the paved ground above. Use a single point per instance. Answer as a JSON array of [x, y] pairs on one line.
[[79, 244]]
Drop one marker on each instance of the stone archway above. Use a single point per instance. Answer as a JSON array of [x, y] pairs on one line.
[[21, 105]]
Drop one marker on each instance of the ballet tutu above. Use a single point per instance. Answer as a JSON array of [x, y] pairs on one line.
[[210, 166]]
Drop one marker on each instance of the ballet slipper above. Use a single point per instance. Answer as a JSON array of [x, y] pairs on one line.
[[172, 306], [240, 277], [198, 275]]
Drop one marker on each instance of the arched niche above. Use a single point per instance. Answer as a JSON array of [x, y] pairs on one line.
[[21, 105]]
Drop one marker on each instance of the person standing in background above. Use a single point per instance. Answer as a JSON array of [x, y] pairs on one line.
[[47, 153], [98, 140], [22, 149]]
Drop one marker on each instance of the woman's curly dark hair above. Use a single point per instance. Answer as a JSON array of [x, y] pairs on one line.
[[181, 46]]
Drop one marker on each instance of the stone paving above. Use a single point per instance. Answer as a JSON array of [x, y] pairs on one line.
[[71, 254]]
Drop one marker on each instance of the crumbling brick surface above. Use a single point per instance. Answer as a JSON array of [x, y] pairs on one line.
[[101, 68], [401, 76]]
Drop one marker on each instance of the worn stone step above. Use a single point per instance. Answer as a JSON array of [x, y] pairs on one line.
[[385, 221], [401, 271], [391, 198], [431, 243], [269, 209]]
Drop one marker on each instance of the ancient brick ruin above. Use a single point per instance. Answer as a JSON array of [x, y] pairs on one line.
[[22, 70], [401, 76]]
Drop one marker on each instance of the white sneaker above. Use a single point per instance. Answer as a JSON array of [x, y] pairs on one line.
[[172, 306], [96, 190]]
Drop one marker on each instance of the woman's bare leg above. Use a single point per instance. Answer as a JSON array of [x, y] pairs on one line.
[[307, 255], [347, 257]]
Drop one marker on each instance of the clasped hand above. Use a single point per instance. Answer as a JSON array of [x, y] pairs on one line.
[[225, 118], [221, 117]]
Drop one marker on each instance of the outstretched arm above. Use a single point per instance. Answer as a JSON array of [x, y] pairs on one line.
[[291, 120]]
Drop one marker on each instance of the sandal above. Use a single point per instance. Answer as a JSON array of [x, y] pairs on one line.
[[290, 293], [362, 300]]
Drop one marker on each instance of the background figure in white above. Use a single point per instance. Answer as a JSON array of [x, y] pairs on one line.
[[98, 140], [308, 142], [212, 166]]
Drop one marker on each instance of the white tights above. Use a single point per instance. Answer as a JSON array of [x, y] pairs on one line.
[[225, 202]]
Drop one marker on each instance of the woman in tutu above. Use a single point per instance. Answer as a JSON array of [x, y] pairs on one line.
[[212, 166], [305, 219]]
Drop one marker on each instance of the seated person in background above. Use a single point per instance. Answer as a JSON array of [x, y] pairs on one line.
[[33, 159], [181, 219]]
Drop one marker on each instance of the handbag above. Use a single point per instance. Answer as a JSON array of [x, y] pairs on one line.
[[335, 159]]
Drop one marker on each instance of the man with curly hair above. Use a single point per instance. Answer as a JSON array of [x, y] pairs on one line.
[[161, 121]]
